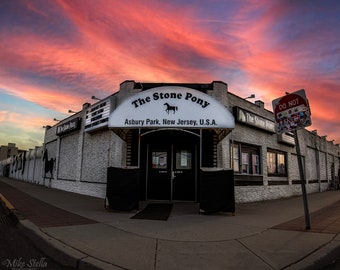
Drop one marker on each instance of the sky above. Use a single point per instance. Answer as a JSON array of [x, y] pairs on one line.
[[55, 55]]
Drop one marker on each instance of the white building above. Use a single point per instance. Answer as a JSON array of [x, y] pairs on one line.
[[168, 135]]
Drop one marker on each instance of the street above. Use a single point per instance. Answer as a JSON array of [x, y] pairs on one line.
[[333, 264], [17, 252]]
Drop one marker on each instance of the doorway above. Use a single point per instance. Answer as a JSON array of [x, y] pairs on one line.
[[171, 166]]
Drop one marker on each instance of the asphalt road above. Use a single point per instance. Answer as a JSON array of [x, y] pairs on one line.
[[17, 252], [333, 264]]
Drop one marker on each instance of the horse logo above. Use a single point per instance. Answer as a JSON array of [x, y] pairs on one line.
[[170, 108], [49, 164]]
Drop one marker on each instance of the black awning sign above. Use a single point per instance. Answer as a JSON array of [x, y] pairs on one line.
[[68, 126], [291, 112]]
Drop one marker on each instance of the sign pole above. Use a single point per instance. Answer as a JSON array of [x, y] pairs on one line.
[[303, 181]]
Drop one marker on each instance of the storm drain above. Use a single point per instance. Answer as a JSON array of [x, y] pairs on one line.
[[9, 219]]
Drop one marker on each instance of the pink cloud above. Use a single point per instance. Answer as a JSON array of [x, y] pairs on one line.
[[110, 43], [28, 121]]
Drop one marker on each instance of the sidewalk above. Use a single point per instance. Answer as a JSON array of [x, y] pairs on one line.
[[78, 231]]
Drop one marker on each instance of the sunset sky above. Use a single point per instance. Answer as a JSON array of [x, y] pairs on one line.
[[54, 55]]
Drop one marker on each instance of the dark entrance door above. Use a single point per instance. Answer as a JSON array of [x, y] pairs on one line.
[[159, 172], [184, 173], [171, 169]]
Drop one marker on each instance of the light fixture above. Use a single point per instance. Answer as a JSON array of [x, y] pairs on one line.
[[55, 119], [47, 127], [94, 97], [251, 96], [70, 111]]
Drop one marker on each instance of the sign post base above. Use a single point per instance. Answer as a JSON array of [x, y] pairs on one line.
[[303, 181]]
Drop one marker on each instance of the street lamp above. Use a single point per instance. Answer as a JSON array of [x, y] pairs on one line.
[[55, 119], [70, 111], [251, 96], [94, 97]]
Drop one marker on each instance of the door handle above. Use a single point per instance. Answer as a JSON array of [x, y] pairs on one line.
[[173, 175]]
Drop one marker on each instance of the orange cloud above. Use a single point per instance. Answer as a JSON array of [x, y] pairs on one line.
[[90, 48]]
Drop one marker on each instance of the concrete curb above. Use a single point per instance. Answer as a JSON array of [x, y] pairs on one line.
[[320, 258], [91, 263], [61, 252], [50, 246]]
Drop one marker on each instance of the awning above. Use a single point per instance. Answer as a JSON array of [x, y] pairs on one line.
[[172, 107]]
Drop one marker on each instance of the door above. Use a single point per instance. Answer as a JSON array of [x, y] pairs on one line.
[[159, 173], [184, 173], [171, 173]]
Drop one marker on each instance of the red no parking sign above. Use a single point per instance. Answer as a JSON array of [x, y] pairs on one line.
[[291, 112]]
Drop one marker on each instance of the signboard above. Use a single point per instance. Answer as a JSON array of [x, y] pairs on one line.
[[291, 112], [97, 115], [68, 126], [287, 138], [171, 106], [255, 120]]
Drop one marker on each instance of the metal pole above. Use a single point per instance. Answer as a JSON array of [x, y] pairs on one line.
[[139, 138], [303, 181], [201, 148]]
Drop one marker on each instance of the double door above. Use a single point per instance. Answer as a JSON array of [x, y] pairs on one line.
[[171, 172]]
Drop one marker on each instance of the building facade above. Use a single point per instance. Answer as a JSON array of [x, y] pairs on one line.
[[170, 133], [9, 150]]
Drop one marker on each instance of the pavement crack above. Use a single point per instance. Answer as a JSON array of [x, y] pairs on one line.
[[252, 252], [156, 252]]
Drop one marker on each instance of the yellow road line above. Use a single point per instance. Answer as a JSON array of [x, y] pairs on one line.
[[7, 203]]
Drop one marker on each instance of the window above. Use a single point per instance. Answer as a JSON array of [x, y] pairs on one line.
[[159, 160], [281, 162], [183, 160], [236, 158], [245, 163], [256, 164], [276, 163], [249, 155], [271, 163]]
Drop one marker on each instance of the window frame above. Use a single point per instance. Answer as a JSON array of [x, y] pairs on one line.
[[280, 171], [235, 157], [250, 151]]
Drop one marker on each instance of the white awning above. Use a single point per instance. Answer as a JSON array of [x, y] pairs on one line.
[[171, 107]]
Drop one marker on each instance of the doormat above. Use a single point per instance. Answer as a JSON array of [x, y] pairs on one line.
[[155, 211]]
